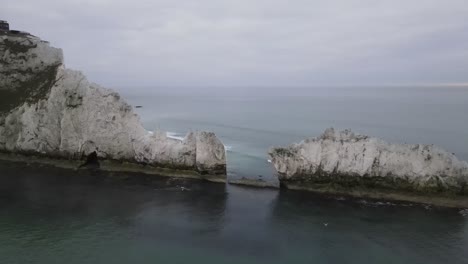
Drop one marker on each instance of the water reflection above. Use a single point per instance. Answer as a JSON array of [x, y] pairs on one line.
[[49, 215], [54, 200]]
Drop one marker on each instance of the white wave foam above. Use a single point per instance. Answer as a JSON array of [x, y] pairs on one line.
[[178, 136], [464, 212], [174, 135]]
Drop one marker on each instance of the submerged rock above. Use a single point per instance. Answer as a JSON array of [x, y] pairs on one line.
[[49, 111], [344, 162], [255, 182]]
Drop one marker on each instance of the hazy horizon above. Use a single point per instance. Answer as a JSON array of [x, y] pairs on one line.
[[228, 44], [428, 94]]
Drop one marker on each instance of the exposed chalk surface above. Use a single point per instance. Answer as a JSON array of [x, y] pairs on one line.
[[346, 156], [53, 111]]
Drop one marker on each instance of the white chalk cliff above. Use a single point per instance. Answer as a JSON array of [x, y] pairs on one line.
[[51, 111], [357, 160]]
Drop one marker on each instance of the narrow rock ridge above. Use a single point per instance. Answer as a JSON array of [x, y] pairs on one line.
[[49, 111], [341, 161]]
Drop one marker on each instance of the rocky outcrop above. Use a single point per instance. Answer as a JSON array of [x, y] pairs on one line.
[[49, 111], [345, 162]]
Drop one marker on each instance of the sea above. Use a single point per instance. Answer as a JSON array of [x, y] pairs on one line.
[[50, 215], [249, 122]]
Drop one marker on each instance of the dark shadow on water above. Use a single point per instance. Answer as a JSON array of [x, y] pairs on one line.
[[34, 197], [368, 231]]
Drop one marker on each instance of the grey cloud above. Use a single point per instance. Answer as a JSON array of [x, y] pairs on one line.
[[254, 43]]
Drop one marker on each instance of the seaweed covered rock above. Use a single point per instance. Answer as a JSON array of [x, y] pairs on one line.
[[47, 110], [344, 161]]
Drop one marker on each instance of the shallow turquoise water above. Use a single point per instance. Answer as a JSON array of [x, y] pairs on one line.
[[58, 216]]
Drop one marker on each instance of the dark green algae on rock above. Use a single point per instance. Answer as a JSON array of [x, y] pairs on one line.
[[106, 165], [379, 188]]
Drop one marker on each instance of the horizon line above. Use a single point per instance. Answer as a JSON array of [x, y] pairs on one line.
[[415, 85]]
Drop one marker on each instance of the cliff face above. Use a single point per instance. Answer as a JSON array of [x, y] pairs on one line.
[[346, 160], [50, 111], [28, 69]]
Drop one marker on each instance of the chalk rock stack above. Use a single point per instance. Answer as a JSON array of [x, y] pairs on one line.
[[347, 160], [47, 110]]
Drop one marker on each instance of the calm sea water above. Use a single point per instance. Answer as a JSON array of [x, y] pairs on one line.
[[250, 124], [50, 215], [59, 216]]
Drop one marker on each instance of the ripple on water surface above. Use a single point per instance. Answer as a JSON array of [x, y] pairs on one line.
[[50, 215]]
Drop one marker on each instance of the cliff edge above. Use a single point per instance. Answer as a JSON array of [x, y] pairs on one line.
[[347, 163], [50, 112]]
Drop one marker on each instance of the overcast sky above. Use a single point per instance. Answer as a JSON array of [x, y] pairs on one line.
[[253, 42]]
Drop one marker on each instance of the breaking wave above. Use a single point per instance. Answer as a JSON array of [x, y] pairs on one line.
[[174, 135], [181, 137]]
